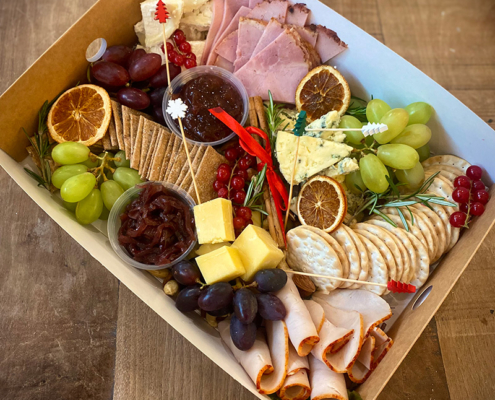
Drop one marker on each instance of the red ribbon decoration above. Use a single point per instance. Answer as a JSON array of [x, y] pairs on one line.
[[252, 147]]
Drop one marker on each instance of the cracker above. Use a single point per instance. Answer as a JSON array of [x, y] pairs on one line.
[[113, 134], [441, 188], [185, 167], [136, 151], [107, 144], [378, 272], [117, 118], [445, 168], [448, 160], [134, 132], [352, 253], [363, 255], [173, 157], [450, 176], [154, 173], [149, 128], [168, 160], [439, 228], [179, 162], [149, 155], [309, 252], [126, 128], [450, 232], [186, 182]]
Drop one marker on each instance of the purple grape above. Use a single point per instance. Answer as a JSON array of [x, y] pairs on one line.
[[271, 307], [270, 280], [223, 311], [243, 335], [133, 98], [145, 67], [118, 55], [158, 115], [186, 273], [110, 73], [136, 55], [245, 305], [159, 80], [156, 96], [216, 296], [187, 300]]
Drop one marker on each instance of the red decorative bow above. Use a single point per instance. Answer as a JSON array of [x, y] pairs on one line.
[[161, 13], [252, 147]]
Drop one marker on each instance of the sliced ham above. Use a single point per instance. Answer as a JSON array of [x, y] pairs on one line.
[[225, 64], [328, 44], [325, 384], [249, 33], [302, 331], [216, 21], [228, 47], [271, 32], [254, 3], [288, 53], [232, 27], [269, 9], [297, 14], [296, 385], [316, 312], [307, 34]]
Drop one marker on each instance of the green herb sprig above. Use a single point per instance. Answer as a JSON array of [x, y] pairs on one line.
[[357, 108], [274, 120], [255, 191]]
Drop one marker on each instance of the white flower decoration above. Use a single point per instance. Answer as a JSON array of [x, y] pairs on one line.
[[177, 108]]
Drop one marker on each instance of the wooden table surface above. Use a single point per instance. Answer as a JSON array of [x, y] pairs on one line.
[[69, 330]]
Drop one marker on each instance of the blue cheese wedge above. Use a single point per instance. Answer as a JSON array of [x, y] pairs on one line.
[[327, 121], [343, 167], [314, 155]]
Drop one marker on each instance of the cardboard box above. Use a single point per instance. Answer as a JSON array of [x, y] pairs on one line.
[[371, 69]]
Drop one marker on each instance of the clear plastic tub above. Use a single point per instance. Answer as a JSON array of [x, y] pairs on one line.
[[119, 207], [192, 73]]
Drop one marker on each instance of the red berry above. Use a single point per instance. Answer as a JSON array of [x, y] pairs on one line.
[[458, 219], [242, 174], [244, 212], [190, 63], [464, 207], [239, 197], [179, 60], [192, 56], [461, 195], [223, 193], [477, 209], [170, 47], [171, 55], [239, 223], [462, 181], [481, 196], [185, 47], [474, 173], [179, 37], [235, 208], [250, 222], [244, 163], [238, 183], [223, 175], [231, 154], [478, 185], [217, 185], [226, 166]]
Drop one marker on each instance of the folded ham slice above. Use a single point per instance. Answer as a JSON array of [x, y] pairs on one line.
[[249, 33], [328, 44], [271, 32], [269, 9], [297, 14], [306, 33], [288, 53], [228, 47], [325, 384], [216, 21], [302, 331], [225, 64], [296, 385]]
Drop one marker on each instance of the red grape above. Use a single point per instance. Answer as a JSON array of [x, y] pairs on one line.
[[245, 305], [133, 98], [270, 307], [190, 63], [461, 195], [231, 154], [110, 73], [179, 37], [136, 55], [217, 185], [223, 193], [238, 183], [477, 209], [244, 164], [171, 55], [223, 175], [243, 335], [239, 223], [156, 96], [225, 166], [478, 185], [187, 300], [462, 181], [170, 47], [242, 174], [158, 114], [244, 212], [270, 280], [474, 173], [179, 60], [118, 55], [458, 219], [160, 78], [185, 47], [145, 67], [481, 196], [216, 296], [464, 207], [192, 56], [186, 273], [239, 197]]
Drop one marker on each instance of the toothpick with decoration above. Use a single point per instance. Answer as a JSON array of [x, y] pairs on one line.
[[367, 130], [177, 110], [162, 15], [298, 131]]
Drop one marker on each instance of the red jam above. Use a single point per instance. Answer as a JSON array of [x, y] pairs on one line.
[[203, 93], [157, 227]]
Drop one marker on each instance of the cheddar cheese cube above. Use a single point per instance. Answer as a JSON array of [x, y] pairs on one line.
[[257, 250], [214, 221], [221, 265], [208, 248]]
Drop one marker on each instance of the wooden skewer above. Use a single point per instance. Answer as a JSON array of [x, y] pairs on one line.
[[166, 53], [338, 279], [292, 182], [335, 130]]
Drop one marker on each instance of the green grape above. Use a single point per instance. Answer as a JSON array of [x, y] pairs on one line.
[[398, 156], [70, 153], [123, 161], [67, 171], [127, 177], [70, 206], [91, 164], [109, 163], [349, 121], [104, 214], [78, 187], [376, 109], [369, 140], [415, 135], [373, 173], [396, 120], [419, 112], [424, 152], [89, 209], [413, 177], [110, 191], [354, 179]]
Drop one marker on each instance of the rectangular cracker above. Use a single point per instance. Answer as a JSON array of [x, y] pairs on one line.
[[149, 128], [150, 153], [173, 157], [113, 134], [154, 173], [107, 144], [166, 159], [126, 127], [136, 153], [134, 129], [185, 167], [117, 118], [186, 182], [206, 175], [179, 162]]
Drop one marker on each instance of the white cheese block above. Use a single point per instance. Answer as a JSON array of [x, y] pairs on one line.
[[314, 155], [197, 47], [197, 22], [343, 167]]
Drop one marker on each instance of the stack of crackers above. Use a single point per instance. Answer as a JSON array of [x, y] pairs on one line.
[[159, 155]]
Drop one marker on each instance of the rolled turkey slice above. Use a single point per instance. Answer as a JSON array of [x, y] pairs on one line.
[[216, 21], [232, 27], [296, 385], [302, 330], [297, 14], [316, 312], [382, 345], [228, 47], [362, 368], [249, 33], [328, 44], [325, 383], [269, 9], [372, 307]]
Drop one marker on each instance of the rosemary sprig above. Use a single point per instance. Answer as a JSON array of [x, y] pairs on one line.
[[273, 118], [357, 108], [255, 191]]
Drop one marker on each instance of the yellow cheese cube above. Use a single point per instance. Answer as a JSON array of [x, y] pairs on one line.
[[257, 250], [214, 221], [221, 265], [208, 248]]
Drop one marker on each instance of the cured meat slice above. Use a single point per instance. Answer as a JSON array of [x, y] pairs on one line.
[[228, 47], [296, 362], [328, 44], [302, 331], [307, 34], [288, 53], [296, 386], [249, 33], [216, 21], [271, 32], [325, 384], [254, 3], [269, 9], [297, 14], [225, 64], [316, 312], [232, 27]]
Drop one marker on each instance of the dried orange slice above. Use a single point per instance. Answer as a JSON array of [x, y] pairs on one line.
[[322, 203], [322, 90], [82, 114]]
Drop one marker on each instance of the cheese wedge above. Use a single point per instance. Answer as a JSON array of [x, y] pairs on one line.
[[221, 265], [214, 221], [208, 248]]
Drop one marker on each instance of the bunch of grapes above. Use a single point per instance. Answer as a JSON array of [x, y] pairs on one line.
[[249, 305], [399, 150], [89, 184], [470, 194], [179, 51]]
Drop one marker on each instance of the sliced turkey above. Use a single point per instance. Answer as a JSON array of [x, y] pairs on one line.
[[249, 33], [228, 47], [297, 378], [316, 312], [326, 384], [328, 44], [297, 14], [269, 9]]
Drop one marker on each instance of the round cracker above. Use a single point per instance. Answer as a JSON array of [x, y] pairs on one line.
[[448, 160], [440, 188], [363, 255], [443, 174], [378, 272], [444, 168], [345, 240], [440, 235], [309, 252]]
